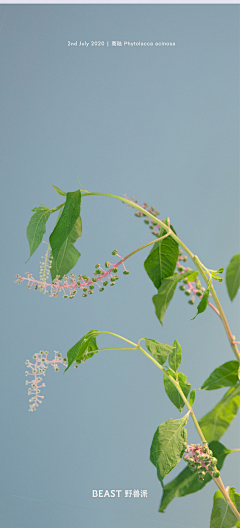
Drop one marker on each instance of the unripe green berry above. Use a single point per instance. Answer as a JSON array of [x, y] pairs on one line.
[[84, 277], [192, 467], [98, 272], [105, 283], [114, 270], [90, 291], [91, 287], [191, 301], [112, 283], [216, 474], [84, 289], [210, 452], [97, 265], [107, 264], [199, 293], [146, 221], [187, 292], [180, 268], [84, 295], [214, 461], [116, 277], [182, 287], [114, 252], [125, 272], [101, 289], [185, 281], [94, 279]]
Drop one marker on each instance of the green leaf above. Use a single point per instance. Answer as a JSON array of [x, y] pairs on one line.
[[204, 301], [36, 228], [238, 525], [158, 350], [83, 349], [187, 482], [222, 515], [68, 255], [233, 276], [62, 193], [193, 276], [168, 445], [165, 293], [162, 259], [175, 358], [172, 391], [215, 423], [224, 376], [65, 233], [192, 397]]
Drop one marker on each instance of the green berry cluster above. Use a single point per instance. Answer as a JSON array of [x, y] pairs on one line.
[[200, 458]]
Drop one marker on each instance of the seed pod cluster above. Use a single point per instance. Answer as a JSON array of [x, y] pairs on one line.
[[193, 288], [200, 458]]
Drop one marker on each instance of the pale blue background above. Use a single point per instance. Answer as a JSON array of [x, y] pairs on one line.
[[162, 125]]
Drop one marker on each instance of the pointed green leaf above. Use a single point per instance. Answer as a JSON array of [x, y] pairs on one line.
[[172, 391], [224, 376], [62, 193], [162, 259], [233, 276], [67, 220], [36, 228], [83, 349], [65, 233], [165, 293], [215, 423], [193, 276], [175, 358], [68, 255], [168, 445], [192, 396], [158, 350], [204, 301], [187, 482], [66, 259], [222, 515]]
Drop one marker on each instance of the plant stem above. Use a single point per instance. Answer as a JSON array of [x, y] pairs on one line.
[[220, 485]]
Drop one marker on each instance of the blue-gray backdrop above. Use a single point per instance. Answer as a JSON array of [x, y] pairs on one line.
[[159, 123]]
